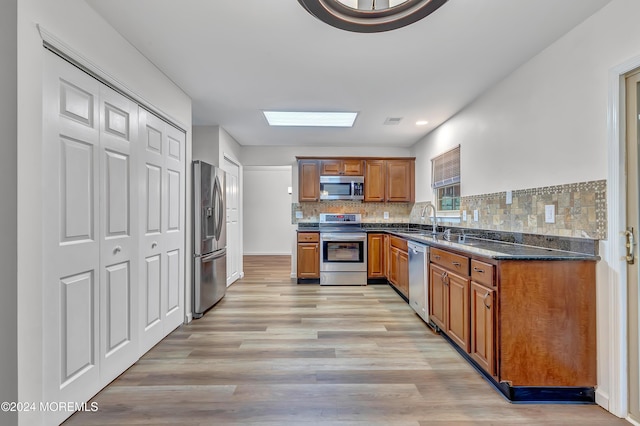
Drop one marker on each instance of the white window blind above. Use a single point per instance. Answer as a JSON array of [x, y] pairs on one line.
[[446, 168]]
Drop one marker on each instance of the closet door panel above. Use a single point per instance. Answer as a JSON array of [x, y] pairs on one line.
[[162, 241], [118, 245], [71, 235], [173, 246]]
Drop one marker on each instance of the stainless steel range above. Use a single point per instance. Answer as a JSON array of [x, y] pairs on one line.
[[343, 250]]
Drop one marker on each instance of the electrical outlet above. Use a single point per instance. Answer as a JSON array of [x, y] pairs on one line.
[[550, 213], [464, 215], [299, 214], [386, 215], [509, 197], [476, 216]]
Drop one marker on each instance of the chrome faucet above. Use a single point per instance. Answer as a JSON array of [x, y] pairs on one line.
[[433, 218]]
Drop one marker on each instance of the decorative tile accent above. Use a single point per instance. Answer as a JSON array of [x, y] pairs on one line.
[[581, 210]]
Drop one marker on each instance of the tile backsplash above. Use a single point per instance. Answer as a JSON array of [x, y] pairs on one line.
[[580, 211], [371, 212]]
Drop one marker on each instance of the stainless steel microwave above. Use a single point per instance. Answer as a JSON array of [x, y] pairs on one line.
[[342, 187]]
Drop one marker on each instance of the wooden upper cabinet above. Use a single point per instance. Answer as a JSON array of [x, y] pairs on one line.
[[308, 180], [347, 167], [390, 180], [400, 182], [385, 179], [374, 180]]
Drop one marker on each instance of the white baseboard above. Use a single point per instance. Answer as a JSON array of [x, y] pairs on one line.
[[602, 399]]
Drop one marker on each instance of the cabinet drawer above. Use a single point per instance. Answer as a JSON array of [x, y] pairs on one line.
[[451, 261], [308, 237], [398, 242], [482, 273]]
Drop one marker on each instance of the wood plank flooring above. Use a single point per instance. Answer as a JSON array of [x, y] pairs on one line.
[[276, 353]]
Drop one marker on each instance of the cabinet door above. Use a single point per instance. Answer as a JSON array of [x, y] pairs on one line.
[[403, 273], [438, 296], [374, 180], [308, 260], [387, 256], [394, 257], [400, 180], [482, 327], [375, 256], [308, 180], [353, 167], [457, 324], [331, 167]]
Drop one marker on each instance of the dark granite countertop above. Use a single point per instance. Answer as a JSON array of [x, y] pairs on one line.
[[493, 249], [489, 244]]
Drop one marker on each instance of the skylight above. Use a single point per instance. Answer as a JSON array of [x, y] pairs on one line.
[[310, 118]]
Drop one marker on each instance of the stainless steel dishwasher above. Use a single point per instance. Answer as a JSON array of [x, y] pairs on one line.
[[419, 279]]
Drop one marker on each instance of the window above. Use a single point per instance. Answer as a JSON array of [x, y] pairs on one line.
[[446, 180]]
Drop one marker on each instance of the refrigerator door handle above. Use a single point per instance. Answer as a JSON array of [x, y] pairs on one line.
[[215, 255], [218, 205]]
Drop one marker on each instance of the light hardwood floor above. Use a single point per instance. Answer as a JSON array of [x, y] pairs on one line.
[[276, 353]]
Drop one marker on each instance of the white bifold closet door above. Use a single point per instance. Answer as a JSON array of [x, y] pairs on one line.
[[100, 264], [162, 229]]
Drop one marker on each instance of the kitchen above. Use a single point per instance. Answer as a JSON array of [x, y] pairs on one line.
[[543, 124]]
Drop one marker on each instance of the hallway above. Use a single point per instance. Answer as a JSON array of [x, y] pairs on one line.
[[273, 352]]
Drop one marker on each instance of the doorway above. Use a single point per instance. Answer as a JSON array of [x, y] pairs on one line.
[[632, 124], [234, 248]]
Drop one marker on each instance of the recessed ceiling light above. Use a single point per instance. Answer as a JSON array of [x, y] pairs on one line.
[[310, 119], [422, 122]]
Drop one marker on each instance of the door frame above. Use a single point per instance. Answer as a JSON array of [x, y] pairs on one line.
[[613, 312], [226, 156]]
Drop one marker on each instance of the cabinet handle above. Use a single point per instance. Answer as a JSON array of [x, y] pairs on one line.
[[435, 256], [445, 278], [475, 268], [456, 263], [117, 249], [154, 244], [484, 300]]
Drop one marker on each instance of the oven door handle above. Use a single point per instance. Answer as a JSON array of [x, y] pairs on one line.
[[342, 237]]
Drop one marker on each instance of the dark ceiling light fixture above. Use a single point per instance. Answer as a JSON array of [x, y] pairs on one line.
[[370, 16]]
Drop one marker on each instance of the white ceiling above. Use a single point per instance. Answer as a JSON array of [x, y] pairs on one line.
[[235, 58]]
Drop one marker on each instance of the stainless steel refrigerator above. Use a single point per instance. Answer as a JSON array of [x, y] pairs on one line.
[[209, 237]]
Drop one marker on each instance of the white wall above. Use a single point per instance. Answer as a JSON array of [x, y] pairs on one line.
[[78, 26], [286, 155], [8, 210], [267, 210], [206, 143], [546, 124]]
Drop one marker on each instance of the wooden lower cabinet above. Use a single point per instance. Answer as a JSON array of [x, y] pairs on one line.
[[449, 304], [457, 325], [438, 296], [376, 265], [399, 265], [527, 323], [308, 252], [482, 331]]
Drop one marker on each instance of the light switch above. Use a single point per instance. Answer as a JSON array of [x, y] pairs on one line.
[[386, 215], [299, 214], [550, 213], [509, 197], [476, 216]]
